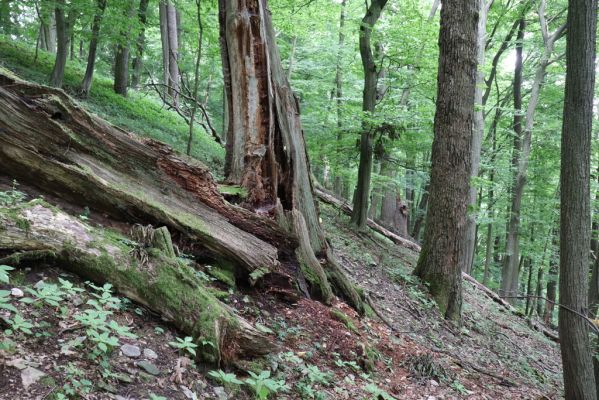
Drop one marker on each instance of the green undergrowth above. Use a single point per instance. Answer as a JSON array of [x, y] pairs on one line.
[[139, 113]]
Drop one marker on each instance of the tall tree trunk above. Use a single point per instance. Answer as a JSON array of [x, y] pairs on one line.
[[162, 9], [362, 192], [339, 181], [121, 58], [477, 136], [291, 58], [62, 38], [196, 76], [137, 64], [93, 47], [421, 212], [594, 282], [576, 217], [265, 145], [173, 47], [509, 282], [439, 262], [539, 291]]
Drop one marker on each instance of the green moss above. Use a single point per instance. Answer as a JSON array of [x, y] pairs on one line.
[[224, 274], [342, 317], [233, 190]]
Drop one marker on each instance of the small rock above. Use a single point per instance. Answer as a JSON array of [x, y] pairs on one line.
[[130, 350], [149, 367], [31, 375], [434, 382], [220, 393], [150, 354], [18, 363], [16, 292], [188, 393], [431, 398]]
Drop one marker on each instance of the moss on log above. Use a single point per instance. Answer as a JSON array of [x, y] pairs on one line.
[[163, 283]]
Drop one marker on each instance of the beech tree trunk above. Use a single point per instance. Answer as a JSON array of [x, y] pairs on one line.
[[362, 191], [339, 181], [93, 47], [265, 150], [173, 52], [576, 217], [509, 281], [442, 250], [477, 136], [163, 15], [137, 63], [62, 39]]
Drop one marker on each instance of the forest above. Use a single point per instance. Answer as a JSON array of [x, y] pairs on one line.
[[299, 199]]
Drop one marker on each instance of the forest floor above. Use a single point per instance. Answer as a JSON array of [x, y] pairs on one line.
[[76, 340], [324, 352]]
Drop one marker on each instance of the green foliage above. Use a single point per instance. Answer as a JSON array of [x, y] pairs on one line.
[[378, 393], [263, 385], [12, 197], [18, 323], [225, 378], [185, 345]]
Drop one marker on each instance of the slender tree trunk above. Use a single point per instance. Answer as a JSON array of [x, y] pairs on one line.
[[539, 291], [338, 184], [509, 283], [266, 153], [576, 217], [196, 81], [421, 212], [162, 8], [93, 47], [140, 44], [62, 36], [291, 58], [362, 192], [173, 46], [439, 262], [121, 69], [477, 136]]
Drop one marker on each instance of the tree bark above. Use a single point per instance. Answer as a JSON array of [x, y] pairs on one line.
[[93, 47], [339, 184], [162, 10], [37, 230], [173, 52], [594, 282], [421, 212], [137, 64], [576, 217], [509, 282], [121, 58], [62, 40], [56, 146], [477, 136], [265, 151], [439, 262], [362, 191]]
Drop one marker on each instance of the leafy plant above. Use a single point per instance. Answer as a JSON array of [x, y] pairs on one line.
[[377, 392], [5, 301], [263, 385], [69, 288], [225, 378], [185, 345], [18, 323], [12, 197], [47, 293], [315, 375], [4, 277], [105, 299]]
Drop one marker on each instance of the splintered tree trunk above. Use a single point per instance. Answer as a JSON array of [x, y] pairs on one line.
[[576, 217], [265, 145], [93, 47], [53, 144], [439, 262], [362, 193], [35, 231]]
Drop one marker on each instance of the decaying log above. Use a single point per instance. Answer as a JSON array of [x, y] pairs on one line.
[[163, 283], [48, 141], [347, 209]]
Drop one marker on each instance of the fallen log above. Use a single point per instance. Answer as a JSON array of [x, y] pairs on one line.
[[347, 208], [161, 282]]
